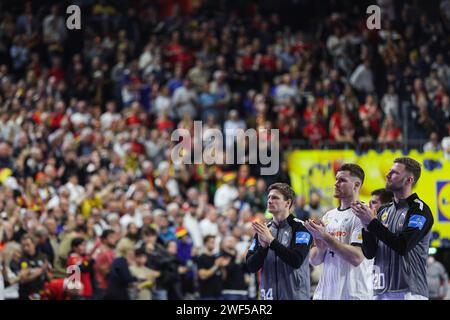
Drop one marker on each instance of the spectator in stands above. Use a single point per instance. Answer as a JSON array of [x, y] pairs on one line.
[[103, 257], [446, 143], [86, 118], [300, 208], [77, 257], [433, 144], [234, 283], [34, 270], [119, 277], [390, 135], [210, 269], [437, 279]]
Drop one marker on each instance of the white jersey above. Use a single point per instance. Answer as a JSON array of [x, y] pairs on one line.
[[340, 280]]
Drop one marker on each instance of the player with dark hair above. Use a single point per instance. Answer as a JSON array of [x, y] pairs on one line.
[[398, 236], [280, 249], [379, 198], [346, 273]]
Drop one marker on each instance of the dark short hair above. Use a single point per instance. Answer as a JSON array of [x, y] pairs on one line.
[[384, 195], [140, 252], [106, 233], [81, 229], [285, 190], [148, 232], [76, 242], [411, 165], [354, 170], [207, 237]]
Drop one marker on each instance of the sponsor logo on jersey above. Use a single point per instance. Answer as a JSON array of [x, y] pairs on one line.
[[302, 237], [417, 221], [383, 219], [338, 234]]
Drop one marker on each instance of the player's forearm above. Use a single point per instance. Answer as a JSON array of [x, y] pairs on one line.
[[400, 242], [316, 256], [370, 244], [255, 260], [349, 253], [293, 256]]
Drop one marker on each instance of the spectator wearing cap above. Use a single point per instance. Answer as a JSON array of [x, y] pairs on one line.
[[227, 192]]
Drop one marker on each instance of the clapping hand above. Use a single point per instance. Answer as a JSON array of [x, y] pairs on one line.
[[265, 237], [363, 212], [317, 229]]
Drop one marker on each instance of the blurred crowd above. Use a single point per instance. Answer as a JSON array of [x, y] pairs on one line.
[[86, 118]]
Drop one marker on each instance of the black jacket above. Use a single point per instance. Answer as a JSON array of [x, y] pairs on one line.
[[399, 240], [285, 263]]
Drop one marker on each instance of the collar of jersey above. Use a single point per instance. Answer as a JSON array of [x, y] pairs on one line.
[[405, 202], [282, 223]]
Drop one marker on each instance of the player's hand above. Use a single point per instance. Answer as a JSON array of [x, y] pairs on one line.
[[263, 232], [263, 243], [318, 231], [363, 212]]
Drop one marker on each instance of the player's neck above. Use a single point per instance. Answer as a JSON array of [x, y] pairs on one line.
[[401, 194], [345, 203], [277, 218]]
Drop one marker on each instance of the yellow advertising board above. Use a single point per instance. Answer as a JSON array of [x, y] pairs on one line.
[[315, 170]]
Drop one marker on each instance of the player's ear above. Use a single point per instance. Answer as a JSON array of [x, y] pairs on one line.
[[411, 179]]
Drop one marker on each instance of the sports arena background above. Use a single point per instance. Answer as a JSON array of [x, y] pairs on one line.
[[86, 118]]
